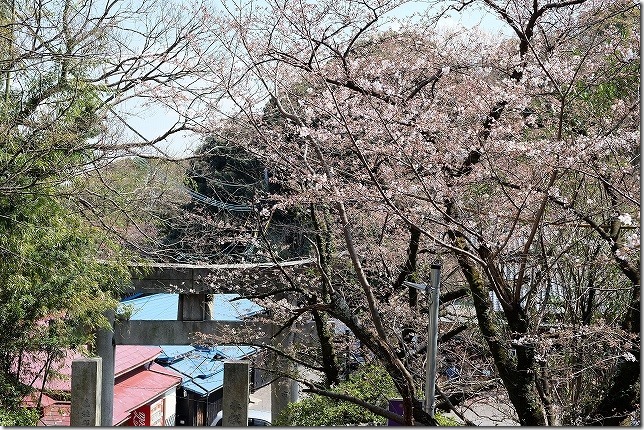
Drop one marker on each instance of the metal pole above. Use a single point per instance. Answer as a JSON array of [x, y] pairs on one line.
[[433, 296]]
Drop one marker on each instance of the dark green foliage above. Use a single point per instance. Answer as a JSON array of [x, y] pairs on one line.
[[58, 275], [53, 287], [229, 173], [232, 216], [370, 383]]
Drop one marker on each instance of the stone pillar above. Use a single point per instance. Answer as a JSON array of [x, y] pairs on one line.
[[86, 392], [235, 395], [283, 390], [106, 349]]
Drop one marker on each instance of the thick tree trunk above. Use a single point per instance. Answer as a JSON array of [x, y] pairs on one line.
[[518, 376], [329, 359]]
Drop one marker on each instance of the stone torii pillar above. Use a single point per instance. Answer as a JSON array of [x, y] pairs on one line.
[[283, 389], [195, 307], [86, 392], [235, 395]]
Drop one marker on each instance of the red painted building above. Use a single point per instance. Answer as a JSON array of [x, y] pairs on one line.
[[144, 392]]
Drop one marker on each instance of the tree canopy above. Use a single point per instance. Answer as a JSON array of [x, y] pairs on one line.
[[514, 160]]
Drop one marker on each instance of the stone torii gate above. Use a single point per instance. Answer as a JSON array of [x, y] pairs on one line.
[[192, 284]]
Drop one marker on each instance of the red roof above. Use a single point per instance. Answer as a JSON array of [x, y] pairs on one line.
[[139, 389], [59, 379], [31, 400], [56, 415], [126, 358], [166, 370], [130, 393], [130, 357]]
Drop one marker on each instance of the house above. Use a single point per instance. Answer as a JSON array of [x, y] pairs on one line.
[[144, 391], [199, 396]]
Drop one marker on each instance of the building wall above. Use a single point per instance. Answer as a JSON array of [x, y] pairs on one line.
[[196, 411], [158, 413], [214, 405], [185, 408], [170, 408]]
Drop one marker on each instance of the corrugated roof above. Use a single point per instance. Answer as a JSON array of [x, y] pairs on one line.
[[155, 307], [57, 414], [128, 357], [202, 368], [139, 389]]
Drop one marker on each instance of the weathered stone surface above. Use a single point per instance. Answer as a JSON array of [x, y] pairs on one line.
[[142, 332], [285, 390], [106, 349], [190, 278], [86, 392], [195, 307], [235, 396]]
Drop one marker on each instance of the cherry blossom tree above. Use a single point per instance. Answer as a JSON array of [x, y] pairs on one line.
[[511, 159]]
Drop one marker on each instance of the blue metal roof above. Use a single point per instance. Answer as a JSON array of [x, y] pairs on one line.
[[170, 353], [235, 352], [231, 307], [201, 368], [156, 307], [204, 387], [201, 373]]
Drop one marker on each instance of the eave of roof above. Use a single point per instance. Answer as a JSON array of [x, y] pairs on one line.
[[129, 357], [202, 368], [138, 390]]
